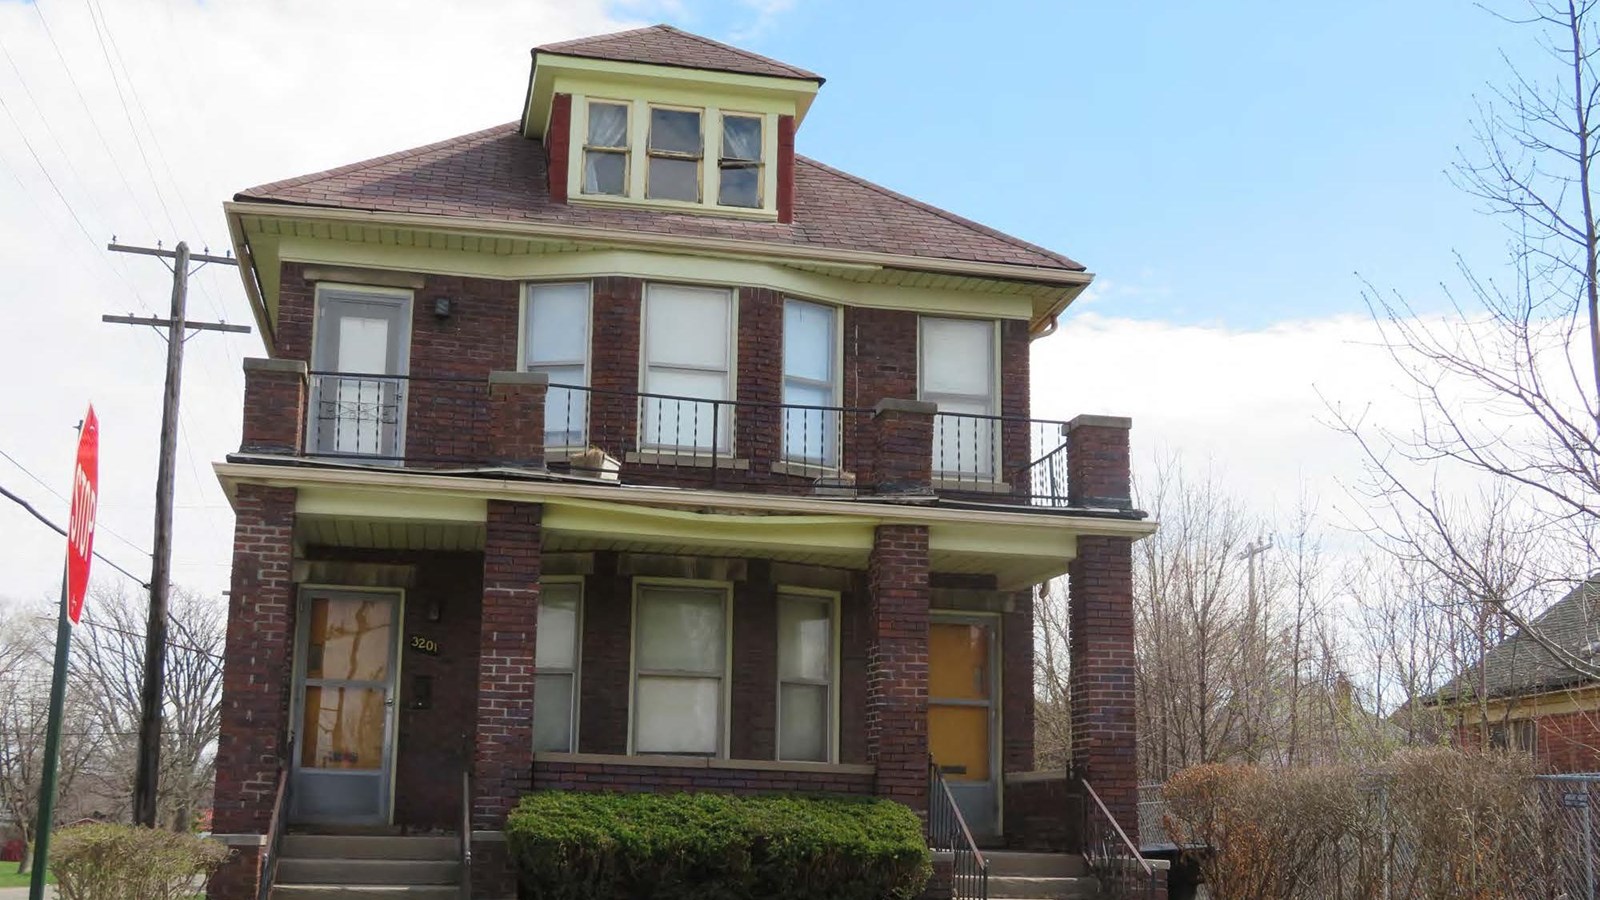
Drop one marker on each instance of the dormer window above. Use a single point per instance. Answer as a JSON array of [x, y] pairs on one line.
[[740, 165], [605, 151], [675, 148]]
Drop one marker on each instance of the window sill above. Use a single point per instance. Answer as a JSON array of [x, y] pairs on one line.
[[813, 470], [689, 460], [765, 214], [701, 762], [971, 485]]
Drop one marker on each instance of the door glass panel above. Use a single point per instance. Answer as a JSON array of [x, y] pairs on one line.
[[343, 728], [349, 639], [363, 345], [958, 656], [958, 738]]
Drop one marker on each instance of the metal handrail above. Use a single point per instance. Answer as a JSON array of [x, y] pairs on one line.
[[273, 846], [1109, 859], [947, 830], [466, 830]]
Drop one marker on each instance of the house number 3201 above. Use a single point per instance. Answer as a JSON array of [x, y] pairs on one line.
[[424, 645]]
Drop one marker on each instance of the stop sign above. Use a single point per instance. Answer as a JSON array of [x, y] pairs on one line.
[[80, 529]]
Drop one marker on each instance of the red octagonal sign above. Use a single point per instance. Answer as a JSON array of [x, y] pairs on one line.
[[80, 530]]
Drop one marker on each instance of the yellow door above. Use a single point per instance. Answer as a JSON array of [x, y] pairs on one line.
[[960, 699]]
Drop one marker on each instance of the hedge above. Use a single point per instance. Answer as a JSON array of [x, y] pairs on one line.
[[593, 846], [125, 862]]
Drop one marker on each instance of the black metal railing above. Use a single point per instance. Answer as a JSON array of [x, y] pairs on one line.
[[272, 845], [466, 830], [679, 440], [1123, 872], [948, 832]]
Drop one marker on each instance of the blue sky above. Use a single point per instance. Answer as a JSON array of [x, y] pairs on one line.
[[1232, 162]]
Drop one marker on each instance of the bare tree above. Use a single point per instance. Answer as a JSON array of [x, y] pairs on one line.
[[108, 662], [1505, 446]]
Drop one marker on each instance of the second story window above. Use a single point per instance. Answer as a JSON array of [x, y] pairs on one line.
[[688, 366], [556, 342], [956, 372], [675, 150], [810, 424], [740, 164], [605, 149]]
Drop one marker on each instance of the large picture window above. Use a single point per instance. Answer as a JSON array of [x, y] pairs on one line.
[[956, 372], [805, 677], [810, 383], [555, 681], [556, 342], [680, 650], [688, 365]]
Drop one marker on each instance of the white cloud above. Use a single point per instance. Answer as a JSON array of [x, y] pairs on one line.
[[767, 15]]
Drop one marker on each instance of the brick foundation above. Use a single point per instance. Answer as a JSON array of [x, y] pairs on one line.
[[238, 878], [897, 663], [581, 773]]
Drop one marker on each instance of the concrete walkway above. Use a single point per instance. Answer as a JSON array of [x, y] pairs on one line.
[[22, 893]]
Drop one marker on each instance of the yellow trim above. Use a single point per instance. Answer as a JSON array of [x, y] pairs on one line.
[[1577, 700], [699, 270], [725, 726], [337, 501], [844, 536]]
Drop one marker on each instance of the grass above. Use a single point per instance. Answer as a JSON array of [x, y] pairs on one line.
[[9, 877]]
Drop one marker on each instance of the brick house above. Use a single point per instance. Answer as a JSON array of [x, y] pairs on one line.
[[1521, 697], [622, 448]]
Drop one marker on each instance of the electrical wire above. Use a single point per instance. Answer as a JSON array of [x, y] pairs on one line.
[[63, 532], [99, 526]]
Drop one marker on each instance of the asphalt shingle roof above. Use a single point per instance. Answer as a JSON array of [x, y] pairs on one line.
[[1519, 665], [663, 45], [497, 174]]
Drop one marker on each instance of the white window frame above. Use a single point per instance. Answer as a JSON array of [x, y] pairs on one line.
[[835, 394], [625, 150], [723, 441], [832, 599], [577, 656], [523, 317], [759, 164], [699, 159], [725, 677], [401, 298], [992, 401]]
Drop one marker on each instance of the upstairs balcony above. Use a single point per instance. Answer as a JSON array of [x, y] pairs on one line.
[[520, 424]]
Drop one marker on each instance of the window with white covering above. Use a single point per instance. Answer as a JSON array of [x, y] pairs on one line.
[[810, 383], [555, 681], [956, 372], [805, 676], [680, 654], [739, 166], [688, 367], [605, 149], [556, 342]]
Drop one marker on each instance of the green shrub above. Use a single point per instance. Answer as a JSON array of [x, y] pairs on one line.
[[580, 846], [124, 862]]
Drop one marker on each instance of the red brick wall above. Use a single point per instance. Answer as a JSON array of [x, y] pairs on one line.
[[1042, 816], [614, 361], [558, 145], [786, 169], [855, 628], [1016, 685], [754, 730], [274, 405], [504, 748], [238, 878], [257, 660], [1100, 608], [760, 376], [897, 667], [1015, 438], [603, 688], [574, 776], [1563, 742]]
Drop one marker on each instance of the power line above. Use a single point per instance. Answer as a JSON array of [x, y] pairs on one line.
[[94, 16], [42, 483], [63, 532]]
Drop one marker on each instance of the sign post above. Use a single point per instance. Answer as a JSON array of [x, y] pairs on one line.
[[74, 581]]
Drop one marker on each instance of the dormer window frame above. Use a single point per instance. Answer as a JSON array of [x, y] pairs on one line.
[[623, 150], [711, 117], [652, 153], [726, 162]]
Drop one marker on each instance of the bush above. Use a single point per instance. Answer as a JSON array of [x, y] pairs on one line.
[[580, 846], [124, 862]]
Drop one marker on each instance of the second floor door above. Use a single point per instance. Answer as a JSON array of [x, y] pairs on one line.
[[358, 387]]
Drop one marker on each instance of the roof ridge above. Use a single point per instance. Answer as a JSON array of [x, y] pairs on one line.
[[944, 213], [348, 168], [748, 54]]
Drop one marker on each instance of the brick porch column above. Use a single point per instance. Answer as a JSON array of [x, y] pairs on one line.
[[902, 451], [897, 663], [503, 746], [1100, 610], [255, 682], [516, 418], [274, 406]]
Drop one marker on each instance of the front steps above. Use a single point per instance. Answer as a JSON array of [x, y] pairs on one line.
[[368, 867], [1039, 876]]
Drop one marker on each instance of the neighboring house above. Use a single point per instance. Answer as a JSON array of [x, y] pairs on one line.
[[1522, 697], [622, 448]]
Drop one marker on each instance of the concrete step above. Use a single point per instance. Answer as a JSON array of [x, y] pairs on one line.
[[1048, 865], [369, 871], [364, 892], [1025, 887], [349, 846]]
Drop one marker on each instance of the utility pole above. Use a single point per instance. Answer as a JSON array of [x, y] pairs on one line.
[[155, 645], [1249, 554]]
